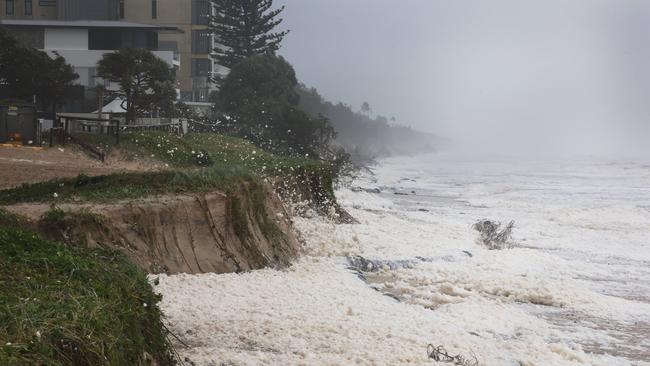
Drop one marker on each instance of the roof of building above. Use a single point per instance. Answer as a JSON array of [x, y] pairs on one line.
[[86, 24], [115, 106]]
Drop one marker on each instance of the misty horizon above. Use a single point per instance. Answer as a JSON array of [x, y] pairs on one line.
[[539, 75]]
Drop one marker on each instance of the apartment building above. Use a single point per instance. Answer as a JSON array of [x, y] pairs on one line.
[[60, 9], [82, 30], [83, 43], [29, 9], [194, 44]]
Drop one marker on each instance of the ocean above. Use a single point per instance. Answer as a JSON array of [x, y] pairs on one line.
[[574, 288]]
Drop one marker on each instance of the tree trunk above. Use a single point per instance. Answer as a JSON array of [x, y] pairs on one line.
[[130, 110]]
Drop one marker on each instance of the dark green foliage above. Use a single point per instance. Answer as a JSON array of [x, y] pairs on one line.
[[27, 73], [239, 219], [244, 28], [146, 82], [9, 45], [53, 219], [232, 151], [167, 148], [262, 78], [340, 162], [254, 203], [201, 149], [258, 201], [366, 138], [233, 161], [11, 220], [75, 306], [162, 146], [320, 183], [259, 102], [317, 176], [124, 186], [58, 225]]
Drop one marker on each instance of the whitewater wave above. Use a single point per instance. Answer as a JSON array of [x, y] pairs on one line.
[[572, 292]]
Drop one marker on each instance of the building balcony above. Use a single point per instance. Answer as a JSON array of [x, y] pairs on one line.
[[89, 58]]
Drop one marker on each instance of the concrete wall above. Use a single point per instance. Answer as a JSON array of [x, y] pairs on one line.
[[66, 39]]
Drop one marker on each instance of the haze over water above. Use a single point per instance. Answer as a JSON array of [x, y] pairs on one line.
[[538, 76]]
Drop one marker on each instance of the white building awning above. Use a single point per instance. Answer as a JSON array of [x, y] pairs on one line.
[[114, 106]]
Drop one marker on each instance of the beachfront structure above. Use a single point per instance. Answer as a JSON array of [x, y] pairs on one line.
[[83, 43], [194, 45], [176, 30]]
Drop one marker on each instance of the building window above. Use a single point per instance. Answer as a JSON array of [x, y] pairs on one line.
[[92, 76], [9, 7], [186, 96], [201, 67], [121, 9], [46, 2], [105, 39], [168, 46], [200, 12], [28, 7], [201, 41], [201, 95], [154, 9]]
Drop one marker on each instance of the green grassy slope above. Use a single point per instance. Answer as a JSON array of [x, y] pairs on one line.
[[74, 306], [198, 162]]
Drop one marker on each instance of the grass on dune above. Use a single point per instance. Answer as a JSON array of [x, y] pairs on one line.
[[167, 148], [124, 186], [201, 162], [63, 305], [226, 151], [201, 149]]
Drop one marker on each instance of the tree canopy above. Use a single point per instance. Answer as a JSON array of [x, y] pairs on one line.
[[29, 74], [244, 28], [363, 136], [146, 82], [259, 101]]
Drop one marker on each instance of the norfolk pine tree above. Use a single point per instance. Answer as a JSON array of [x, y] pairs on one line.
[[244, 28]]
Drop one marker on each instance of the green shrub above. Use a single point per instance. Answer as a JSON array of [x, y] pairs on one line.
[[239, 219], [74, 306], [259, 102], [11, 220]]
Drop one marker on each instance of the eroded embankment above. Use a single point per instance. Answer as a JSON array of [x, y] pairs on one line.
[[218, 232], [311, 190]]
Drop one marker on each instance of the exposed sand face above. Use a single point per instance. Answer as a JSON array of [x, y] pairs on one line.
[[185, 233], [573, 293]]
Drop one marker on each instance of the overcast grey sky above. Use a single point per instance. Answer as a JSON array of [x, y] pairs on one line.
[[479, 67]]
